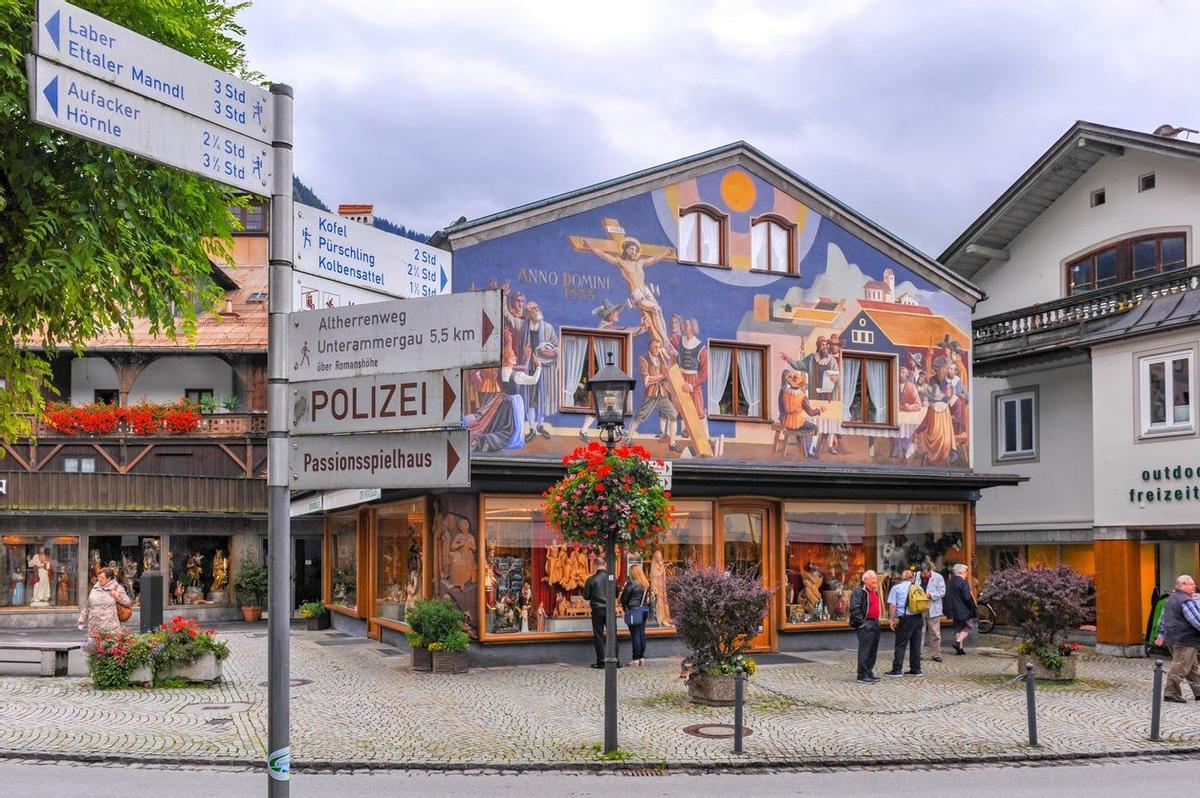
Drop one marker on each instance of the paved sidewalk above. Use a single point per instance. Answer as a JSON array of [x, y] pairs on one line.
[[357, 706]]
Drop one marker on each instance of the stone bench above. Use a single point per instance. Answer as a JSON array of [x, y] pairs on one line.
[[52, 658]]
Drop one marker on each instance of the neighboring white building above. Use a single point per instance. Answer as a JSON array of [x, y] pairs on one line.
[[1085, 367]]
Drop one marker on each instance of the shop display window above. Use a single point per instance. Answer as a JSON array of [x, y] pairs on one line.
[[198, 569], [399, 545], [129, 555], [688, 544], [39, 571], [453, 563], [343, 583], [828, 546]]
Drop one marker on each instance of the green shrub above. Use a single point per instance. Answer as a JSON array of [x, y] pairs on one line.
[[112, 656], [436, 622], [251, 582], [312, 609]]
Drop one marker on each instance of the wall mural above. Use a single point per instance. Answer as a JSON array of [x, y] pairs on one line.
[[848, 359]]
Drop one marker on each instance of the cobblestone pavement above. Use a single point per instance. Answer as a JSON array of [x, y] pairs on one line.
[[357, 706]]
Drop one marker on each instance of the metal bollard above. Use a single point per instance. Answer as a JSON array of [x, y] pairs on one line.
[[739, 699], [1031, 705], [1156, 704]]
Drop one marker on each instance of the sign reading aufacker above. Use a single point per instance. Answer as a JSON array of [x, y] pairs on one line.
[[383, 460], [398, 337], [425, 400]]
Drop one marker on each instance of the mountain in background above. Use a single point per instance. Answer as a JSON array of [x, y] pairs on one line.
[[304, 194]]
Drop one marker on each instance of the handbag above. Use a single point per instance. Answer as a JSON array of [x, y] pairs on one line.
[[636, 616], [124, 613]]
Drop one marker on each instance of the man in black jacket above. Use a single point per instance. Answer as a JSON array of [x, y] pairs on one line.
[[866, 608], [595, 592]]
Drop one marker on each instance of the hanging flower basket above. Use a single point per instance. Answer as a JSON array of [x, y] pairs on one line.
[[609, 493]]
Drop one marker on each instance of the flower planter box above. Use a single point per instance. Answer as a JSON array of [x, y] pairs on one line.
[[449, 661], [713, 691], [204, 669], [141, 676], [1040, 671], [318, 622], [422, 659]]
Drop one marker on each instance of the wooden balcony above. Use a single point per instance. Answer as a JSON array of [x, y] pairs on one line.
[[114, 492], [212, 425], [1049, 331]]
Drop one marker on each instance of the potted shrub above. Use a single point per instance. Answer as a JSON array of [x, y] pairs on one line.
[[437, 638], [118, 659], [182, 650], [717, 614], [316, 614], [251, 587], [1044, 604]]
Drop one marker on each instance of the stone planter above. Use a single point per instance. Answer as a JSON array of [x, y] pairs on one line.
[[449, 662], [141, 676], [1040, 671], [713, 691], [422, 659], [318, 623], [252, 614], [204, 669]]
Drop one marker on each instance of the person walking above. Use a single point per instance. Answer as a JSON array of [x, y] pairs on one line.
[[595, 592], [934, 585], [866, 608], [633, 599], [1179, 626], [907, 626], [99, 612], [960, 606]]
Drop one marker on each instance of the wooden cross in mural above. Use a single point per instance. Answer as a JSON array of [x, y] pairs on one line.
[[612, 244]]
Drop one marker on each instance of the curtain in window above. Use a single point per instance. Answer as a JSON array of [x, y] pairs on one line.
[[750, 380], [779, 248], [720, 363], [687, 236], [758, 246], [710, 239], [878, 389], [850, 369], [574, 362]]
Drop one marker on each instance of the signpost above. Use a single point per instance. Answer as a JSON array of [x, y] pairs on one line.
[[332, 499], [386, 460], [360, 255], [383, 403], [317, 293], [453, 331]]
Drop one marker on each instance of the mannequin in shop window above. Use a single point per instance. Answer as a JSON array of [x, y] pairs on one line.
[[658, 589], [42, 569]]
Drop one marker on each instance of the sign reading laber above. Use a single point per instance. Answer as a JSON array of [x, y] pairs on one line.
[[383, 403], [397, 337], [384, 460]]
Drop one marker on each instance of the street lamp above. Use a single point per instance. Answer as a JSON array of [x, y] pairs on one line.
[[610, 388]]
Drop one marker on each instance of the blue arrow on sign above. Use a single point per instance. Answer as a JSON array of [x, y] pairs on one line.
[[52, 29], [443, 288], [51, 92]]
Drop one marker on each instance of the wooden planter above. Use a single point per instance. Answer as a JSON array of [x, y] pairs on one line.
[[422, 659], [449, 662], [713, 691], [1040, 671], [318, 622]]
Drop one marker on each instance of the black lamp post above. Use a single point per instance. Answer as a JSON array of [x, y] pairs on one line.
[[610, 389]]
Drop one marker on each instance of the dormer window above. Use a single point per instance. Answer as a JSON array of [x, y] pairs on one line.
[[771, 245], [702, 236]]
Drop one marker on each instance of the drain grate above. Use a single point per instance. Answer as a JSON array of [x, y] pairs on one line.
[[645, 772], [218, 721], [714, 731], [353, 641], [208, 709]]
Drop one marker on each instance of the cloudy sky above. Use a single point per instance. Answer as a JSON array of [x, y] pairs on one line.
[[917, 114]]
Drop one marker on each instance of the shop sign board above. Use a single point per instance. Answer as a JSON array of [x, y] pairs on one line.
[[310, 292], [665, 470], [333, 499], [380, 403], [396, 337], [87, 43], [436, 459], [357, 254], [94, 109]]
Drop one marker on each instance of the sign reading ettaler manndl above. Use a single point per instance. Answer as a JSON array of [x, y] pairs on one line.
[[398, 337], [384, 460], [383, 403]]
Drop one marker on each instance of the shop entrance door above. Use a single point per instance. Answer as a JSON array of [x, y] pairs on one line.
[[746, 530], [306, 567]]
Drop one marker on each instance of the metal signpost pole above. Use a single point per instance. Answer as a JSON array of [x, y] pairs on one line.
[[610, 629], [278, 496]]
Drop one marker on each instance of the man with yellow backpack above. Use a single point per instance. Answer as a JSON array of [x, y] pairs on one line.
[[906, 603]]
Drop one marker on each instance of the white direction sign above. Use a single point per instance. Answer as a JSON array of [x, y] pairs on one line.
[[383, 460], [310, 292], [332, 499], [93, 109], [396, 337], [358, 254], [383, 403], [85, 42]]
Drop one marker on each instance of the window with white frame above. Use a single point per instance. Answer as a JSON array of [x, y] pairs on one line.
[[1016, 425], [701, 237], [1165, 393], [771, 245]]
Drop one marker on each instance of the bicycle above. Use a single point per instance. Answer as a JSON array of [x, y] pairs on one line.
[[987, 619]]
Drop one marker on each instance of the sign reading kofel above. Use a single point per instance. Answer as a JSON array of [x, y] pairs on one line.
[[382, 403], [452, 331], [384, 460]]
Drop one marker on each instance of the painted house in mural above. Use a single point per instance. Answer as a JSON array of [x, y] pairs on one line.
[[807, 372]]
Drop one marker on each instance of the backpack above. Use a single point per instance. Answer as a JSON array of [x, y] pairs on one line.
[[918, 600]]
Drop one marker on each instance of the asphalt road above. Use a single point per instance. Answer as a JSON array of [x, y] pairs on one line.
[[1096, 779]]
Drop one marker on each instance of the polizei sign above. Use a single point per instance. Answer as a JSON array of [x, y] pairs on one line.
[[425, 400]]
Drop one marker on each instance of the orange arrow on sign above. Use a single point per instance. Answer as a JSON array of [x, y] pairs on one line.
[[451, 459], [488, 327], [448, 397]]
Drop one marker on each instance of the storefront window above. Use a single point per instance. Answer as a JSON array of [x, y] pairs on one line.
[[689, 544], [343, 587], [400, 536], [38, 571], [129, 555], [829, 545], [198, 569]]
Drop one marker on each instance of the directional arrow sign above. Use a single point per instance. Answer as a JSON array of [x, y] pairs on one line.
[[68, 100], [316, 293], [93, 45], [396, 337], [383, 403], [383, 460], [361, 255]]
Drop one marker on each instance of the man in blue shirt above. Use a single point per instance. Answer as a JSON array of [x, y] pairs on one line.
[[1179, 625], [907, 627]]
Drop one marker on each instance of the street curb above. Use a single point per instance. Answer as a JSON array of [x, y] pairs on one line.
[[717, 764]]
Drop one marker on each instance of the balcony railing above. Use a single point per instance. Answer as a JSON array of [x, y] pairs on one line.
[[1081, 311], [132, 492], [211, 425]]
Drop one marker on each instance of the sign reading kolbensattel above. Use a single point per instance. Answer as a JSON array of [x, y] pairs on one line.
[[383, 460], [95, 46], [396, 337], [383, 403], [92, 109], [358, 254]]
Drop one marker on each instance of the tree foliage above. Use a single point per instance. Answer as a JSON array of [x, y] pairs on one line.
[[1044, 602], [717, 614], [92, 238]]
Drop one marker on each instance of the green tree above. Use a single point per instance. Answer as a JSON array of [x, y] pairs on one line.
[[91, 238]]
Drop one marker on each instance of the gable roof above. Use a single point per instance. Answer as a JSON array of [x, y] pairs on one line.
[[915, 329], [740, 153], [1050, 176]]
